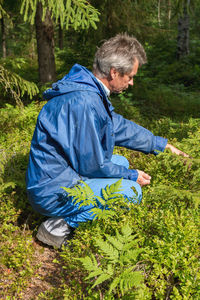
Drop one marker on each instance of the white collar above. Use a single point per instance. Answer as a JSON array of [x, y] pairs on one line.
[[104, 87]]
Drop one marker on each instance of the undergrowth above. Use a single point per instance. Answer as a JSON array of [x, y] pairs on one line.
[[132, 251], [17, 263]]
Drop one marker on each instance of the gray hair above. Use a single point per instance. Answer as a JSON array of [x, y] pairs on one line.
[[119, 52]]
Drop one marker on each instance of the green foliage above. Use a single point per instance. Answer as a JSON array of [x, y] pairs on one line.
[[164, 230], [17, 262], [146, 251], [83, 195], [102, 207], [117, 259], [3, 13], [74, 13], [16, 85]]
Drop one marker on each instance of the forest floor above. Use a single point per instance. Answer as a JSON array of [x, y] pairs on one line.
[[47, 276]]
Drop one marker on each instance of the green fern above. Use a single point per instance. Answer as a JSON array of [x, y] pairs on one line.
[[129, 279], [104, 207], [115, 242], [81, 194], [110, 252], [111, 191], [102, 214], [116, 263], [90, 263]]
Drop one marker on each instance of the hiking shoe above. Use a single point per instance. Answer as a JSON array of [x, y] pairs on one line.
[[46, 237]]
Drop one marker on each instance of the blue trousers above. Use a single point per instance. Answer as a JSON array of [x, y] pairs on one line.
[[97, 184], [58, 225]]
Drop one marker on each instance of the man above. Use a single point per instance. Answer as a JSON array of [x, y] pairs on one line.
[[75, 136]]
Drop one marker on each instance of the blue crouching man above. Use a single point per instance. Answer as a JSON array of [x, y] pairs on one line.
[[75, 135]]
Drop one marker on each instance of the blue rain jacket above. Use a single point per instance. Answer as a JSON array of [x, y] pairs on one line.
[[74, 138]]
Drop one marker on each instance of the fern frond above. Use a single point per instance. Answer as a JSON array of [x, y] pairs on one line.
[[115, 242], [131, 244], [81, 194], [112, 190], [101, 201], [104, 194], [129, 279], [134, 199], [117, 264], [126, 231], [95, 273], [103, 277], [102, 214], [114, 284], [126, 237], [116, 187], [111, 194], [130, 256], [110, 252], [89, 263]]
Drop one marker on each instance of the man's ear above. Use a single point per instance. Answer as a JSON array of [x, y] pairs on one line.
[[113, 73]]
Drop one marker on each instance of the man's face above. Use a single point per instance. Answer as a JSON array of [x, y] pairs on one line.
[[119, 83]]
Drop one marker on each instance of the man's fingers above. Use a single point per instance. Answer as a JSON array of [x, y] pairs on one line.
[[184, 154], [143, 178], [145, 182], [146, 176], [176, 150], [143, 174]]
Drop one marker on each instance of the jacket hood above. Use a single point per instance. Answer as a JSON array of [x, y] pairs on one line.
[[79, 78]]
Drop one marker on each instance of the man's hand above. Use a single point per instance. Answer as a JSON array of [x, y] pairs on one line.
[[143, 178], [176, 151]]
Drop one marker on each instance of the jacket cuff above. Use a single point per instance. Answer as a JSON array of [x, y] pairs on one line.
[[159, 144], [133, 175]]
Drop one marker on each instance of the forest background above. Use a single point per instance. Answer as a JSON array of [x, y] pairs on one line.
[[147, 251]]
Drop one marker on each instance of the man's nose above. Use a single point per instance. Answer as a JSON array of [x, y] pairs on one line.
[[130, 82]]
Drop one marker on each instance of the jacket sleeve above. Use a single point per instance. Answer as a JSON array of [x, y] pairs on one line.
[[86, 144], [130, 135]]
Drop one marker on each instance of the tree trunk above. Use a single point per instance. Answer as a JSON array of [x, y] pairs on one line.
[[159, 19], [109, 15], [3, 32], [45, 45], [183, 35], [60, 36], [169, 12]]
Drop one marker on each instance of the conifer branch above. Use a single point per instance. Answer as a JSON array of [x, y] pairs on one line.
[[16, 85], [71, 13]]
